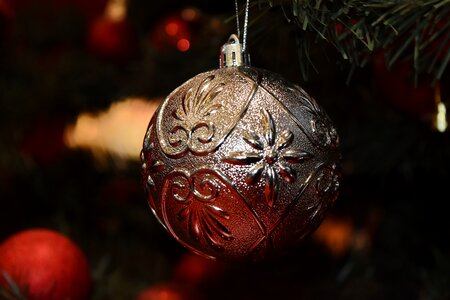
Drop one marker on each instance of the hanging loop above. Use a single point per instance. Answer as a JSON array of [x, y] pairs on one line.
[[233, 53]]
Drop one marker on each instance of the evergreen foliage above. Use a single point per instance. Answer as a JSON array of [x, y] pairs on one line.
[[418, 31]]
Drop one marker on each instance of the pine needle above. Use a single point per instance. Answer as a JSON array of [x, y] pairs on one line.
[[405, 29]]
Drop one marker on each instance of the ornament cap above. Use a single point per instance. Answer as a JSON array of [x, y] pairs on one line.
[[231, 53]]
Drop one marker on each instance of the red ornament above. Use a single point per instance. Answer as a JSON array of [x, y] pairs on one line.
[[194, 269], [168, 291], [240, 164], [177, 30], [111, 36], [342, 28], [434, 47], [45, 265], [112, 39], [397, 85]]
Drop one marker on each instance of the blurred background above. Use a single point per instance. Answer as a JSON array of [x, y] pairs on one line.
[[79, 82]]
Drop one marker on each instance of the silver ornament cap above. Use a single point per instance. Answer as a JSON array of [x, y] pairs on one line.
[[231, 53]]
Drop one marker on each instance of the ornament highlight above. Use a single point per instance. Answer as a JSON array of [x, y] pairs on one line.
[[42, 264], [397, 86], [195, 270], [240, 164], [111, 36]]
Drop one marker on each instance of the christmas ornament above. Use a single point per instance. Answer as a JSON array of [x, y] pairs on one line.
[[177, 30], [196, 270], [169, 291], [44, 265], [440, 43], [111, 36], [398, 87], [240, 164]]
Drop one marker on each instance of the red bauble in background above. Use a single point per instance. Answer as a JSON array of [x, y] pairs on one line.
[[45, 265], [169, 291], [112, 39], [177, 30], [195, 270], [435, 47], [397, 86], [111, 36]]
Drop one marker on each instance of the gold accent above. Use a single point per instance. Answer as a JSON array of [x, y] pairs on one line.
[[198, 116]]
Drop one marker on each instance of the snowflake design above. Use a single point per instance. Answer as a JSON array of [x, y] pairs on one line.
[[270, 157]]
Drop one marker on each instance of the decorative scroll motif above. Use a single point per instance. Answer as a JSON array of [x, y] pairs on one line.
[[193, 116], [149, 166], [269, 157], [203, 218], [328, 181], [327, 187], [321, 126], [324, 132]]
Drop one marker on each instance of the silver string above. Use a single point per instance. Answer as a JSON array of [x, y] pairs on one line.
[[238, 26], [244, 42], [247, 6]]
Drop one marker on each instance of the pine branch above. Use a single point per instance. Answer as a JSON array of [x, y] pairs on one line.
[[12, 290], [415, 30]]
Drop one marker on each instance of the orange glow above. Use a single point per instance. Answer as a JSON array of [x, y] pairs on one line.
[[116, 10], [166, 291], [189, 14], [118, 131], [172, 28], [183, 45], [336, 235]]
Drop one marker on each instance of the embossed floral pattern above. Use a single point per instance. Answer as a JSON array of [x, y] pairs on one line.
[[203, 217], [205, 222], [270, 157], [328, 180], [149, 165], [325, 133], [327, 184], [198, 105]]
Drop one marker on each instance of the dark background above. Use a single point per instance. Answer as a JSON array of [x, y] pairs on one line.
[[396, 167]]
